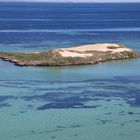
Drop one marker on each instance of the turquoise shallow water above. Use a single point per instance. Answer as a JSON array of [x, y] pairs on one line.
[[85, 102], [93, 102]]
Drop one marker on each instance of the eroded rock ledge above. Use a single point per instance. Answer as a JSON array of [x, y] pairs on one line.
[[81, 55]]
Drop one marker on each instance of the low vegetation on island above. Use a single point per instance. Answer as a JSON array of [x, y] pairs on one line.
[[80, 55]]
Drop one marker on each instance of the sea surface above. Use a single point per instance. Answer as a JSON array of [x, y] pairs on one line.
[[93, 102]]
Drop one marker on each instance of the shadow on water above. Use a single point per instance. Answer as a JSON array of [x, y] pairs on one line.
[[74, 94]]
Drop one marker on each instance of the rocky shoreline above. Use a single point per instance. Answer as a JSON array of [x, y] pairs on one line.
[[81, 55]]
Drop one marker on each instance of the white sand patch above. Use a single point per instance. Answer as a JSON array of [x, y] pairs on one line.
[[93, 47], [66, 53], [121, 50]]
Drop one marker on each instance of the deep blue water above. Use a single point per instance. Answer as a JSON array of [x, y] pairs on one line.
[[100, 102], [37, 26]]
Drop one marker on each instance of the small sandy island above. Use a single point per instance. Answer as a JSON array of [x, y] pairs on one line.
[[80, 55]]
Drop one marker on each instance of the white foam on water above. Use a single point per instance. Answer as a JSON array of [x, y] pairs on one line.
[[64, 19], [72, 30]]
